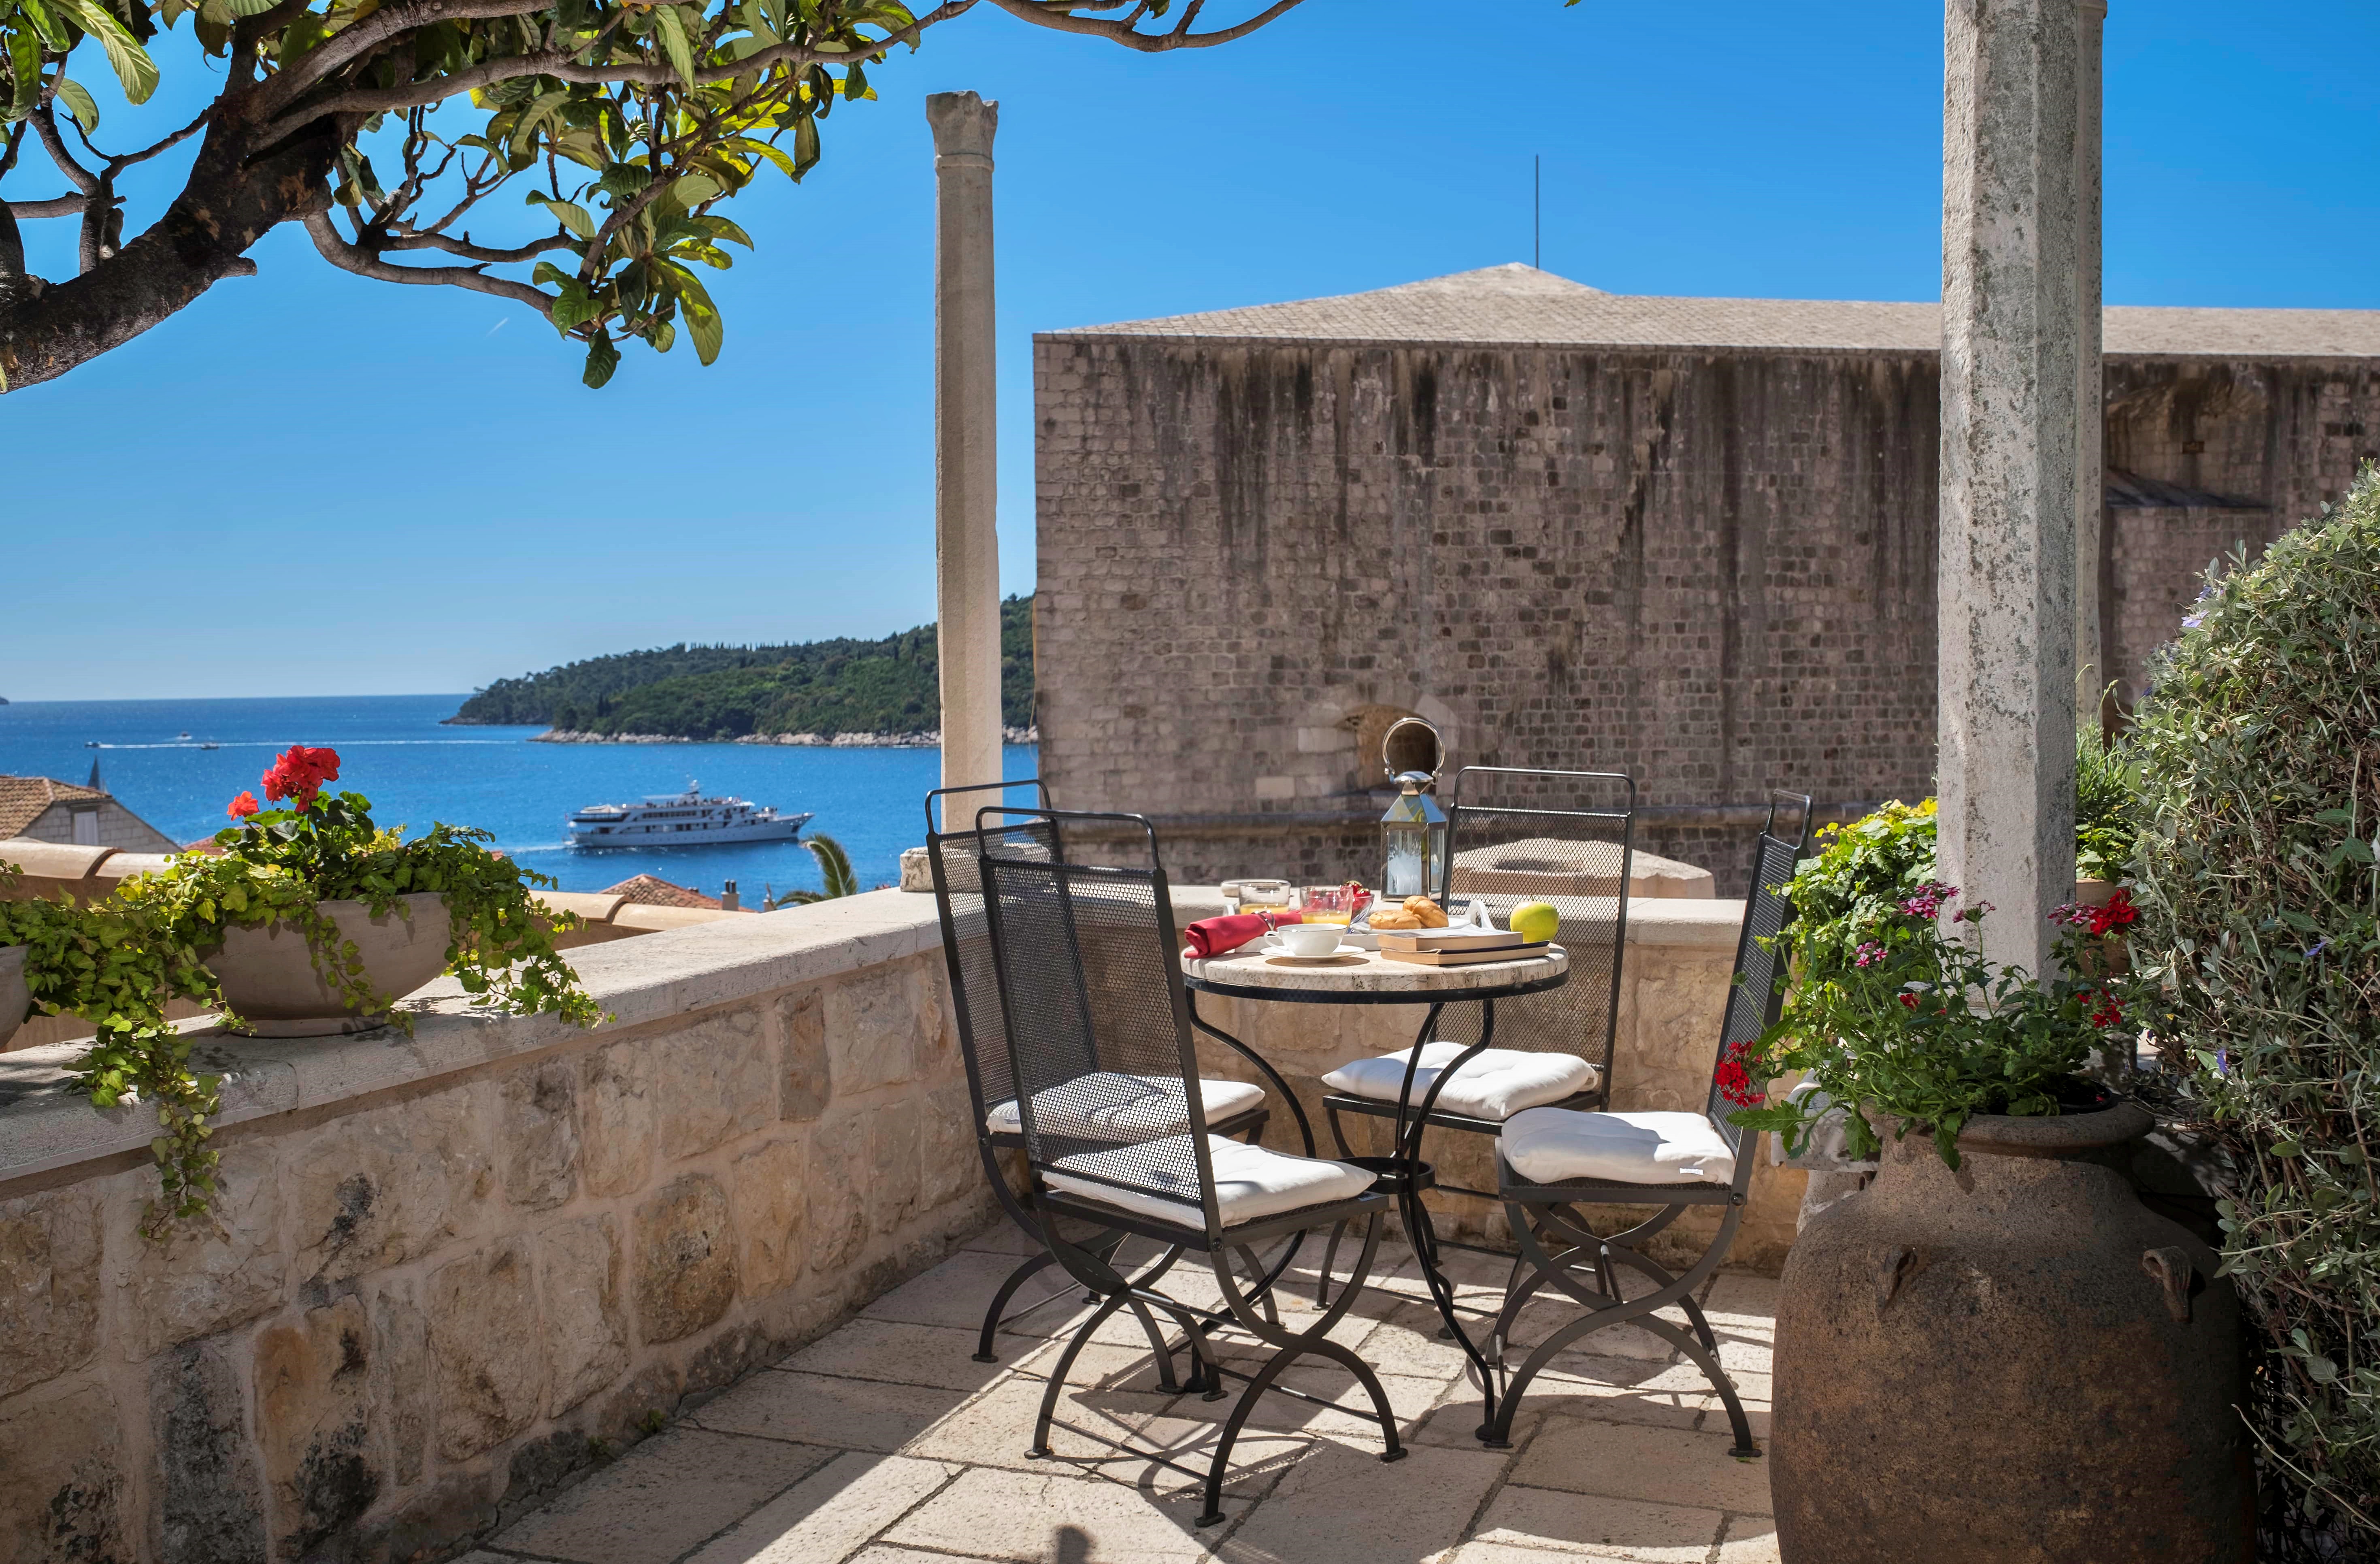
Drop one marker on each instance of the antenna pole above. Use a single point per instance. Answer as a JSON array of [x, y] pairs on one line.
[[1538, 211]]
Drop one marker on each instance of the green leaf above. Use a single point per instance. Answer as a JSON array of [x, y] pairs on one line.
[[25, 66], [601, 360], [134, 69], [670, 28], [78, 101], [569, 213], [805, 145], [693, 190]]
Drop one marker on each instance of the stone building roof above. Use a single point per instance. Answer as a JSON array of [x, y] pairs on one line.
[[24, 800], [651, 890], [1520, 306]]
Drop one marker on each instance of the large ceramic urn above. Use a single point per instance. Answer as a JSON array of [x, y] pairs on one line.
[[270, 980], [2012, 1361]]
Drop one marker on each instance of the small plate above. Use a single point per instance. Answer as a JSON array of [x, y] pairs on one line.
[[1345, 954]]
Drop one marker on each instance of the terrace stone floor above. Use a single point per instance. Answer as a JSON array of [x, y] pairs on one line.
[[884, 1443]]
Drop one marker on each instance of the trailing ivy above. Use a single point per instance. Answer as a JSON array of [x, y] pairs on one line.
[[2259, 757], [117, 966]]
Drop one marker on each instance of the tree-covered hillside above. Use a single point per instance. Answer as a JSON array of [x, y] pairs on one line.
[[824, 686]]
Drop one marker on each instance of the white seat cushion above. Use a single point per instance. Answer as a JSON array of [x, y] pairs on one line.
[[1561, 1145], [1108, 1106], [1251, 1182], [1497, 1084]]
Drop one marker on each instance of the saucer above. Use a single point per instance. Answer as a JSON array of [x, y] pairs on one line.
[[1345, 953]]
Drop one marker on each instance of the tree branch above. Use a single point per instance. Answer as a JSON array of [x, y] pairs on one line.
[[364, 264], [565, 67], [117, 165], [56, 206], [353, 42], [479, 252], [1060, 17], [45, 126]]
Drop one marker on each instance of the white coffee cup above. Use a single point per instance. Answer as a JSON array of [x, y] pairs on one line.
[[1309, 940]]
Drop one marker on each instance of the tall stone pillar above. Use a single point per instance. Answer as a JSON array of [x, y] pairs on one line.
[[2090, 386], [967, 541], [2010, 369]]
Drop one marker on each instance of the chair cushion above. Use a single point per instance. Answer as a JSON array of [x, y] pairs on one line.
[[1563, 1145], [1497, 1084], [1108, 1106], [1251, 1182]]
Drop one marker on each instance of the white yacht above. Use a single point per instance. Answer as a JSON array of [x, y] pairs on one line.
[[684, 819]]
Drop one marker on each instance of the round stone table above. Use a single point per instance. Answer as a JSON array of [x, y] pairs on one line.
[[1373, 979]]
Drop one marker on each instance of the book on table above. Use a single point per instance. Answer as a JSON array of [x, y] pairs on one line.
[[1518, 952], [1449, 939]]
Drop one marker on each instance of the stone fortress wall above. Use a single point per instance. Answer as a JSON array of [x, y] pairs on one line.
[[1572, 532]]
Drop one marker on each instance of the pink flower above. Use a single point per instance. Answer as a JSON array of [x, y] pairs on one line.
[[1868, 954], [1929, 900]]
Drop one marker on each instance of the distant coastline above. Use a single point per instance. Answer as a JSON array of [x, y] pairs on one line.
[[927, 740]]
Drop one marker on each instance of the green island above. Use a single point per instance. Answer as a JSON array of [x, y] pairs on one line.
[[846, 685]]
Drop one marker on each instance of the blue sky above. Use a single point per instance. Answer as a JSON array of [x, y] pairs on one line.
[[306, 482]]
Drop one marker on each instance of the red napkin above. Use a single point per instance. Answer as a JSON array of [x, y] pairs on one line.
[[1213, 937]]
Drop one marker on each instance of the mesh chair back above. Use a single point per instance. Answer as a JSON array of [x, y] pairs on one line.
[[1099, 1029], [1566, 837], [1758, 995], [954, 857]]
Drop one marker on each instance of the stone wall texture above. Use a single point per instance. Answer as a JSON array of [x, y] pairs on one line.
[[426, 1305], [1713, 569]]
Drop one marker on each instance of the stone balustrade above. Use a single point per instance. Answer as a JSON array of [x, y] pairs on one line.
[[456, 1268]]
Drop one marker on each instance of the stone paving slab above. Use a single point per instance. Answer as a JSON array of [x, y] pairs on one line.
[[885, 1443]]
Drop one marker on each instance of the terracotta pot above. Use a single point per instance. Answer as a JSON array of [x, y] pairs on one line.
[[269, 980], [14, 997], [2013, 1362]]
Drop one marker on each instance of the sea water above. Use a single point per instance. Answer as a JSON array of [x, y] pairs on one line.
[[394, 750]]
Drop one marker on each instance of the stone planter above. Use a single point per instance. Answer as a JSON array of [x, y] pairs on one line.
[[13, 997], [2014, 1360], [269, 980]]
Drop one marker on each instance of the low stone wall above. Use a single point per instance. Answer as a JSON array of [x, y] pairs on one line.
[[455, 1268], [1674, 982]]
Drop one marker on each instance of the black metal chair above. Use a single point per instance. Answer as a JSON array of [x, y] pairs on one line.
[[1552, 1161], [1090, 986], [1235, 1108], [1515, 836]]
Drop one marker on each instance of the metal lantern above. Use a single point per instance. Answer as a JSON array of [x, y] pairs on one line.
[[1413, 834], [1413, 840]]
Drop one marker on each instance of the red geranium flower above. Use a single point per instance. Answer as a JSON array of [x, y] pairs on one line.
[[299, 774], [242, 806], [2118, 912]]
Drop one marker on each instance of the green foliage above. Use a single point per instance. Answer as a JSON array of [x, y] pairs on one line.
[[1911, 1023], [624, 126], [834, 869], [2105, 788], [117, 966], [825, 687], [2259, 875], [1859, 879]]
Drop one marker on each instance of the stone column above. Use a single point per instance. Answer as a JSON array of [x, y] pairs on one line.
[[2010, 369], [967, 541], [2090, 386]]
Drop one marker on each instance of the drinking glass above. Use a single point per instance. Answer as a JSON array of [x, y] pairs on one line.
[[1330, 904]]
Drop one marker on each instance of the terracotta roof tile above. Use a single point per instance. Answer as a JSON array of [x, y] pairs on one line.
[[23, 800], [651, 890]]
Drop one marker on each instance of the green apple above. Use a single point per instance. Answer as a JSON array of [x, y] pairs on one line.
[[1535, 921]]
